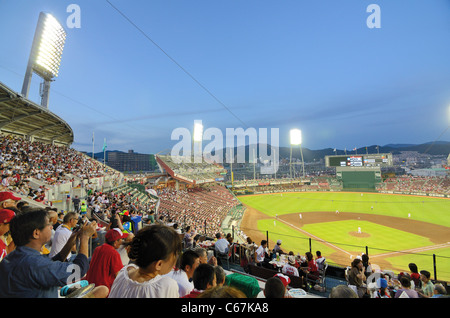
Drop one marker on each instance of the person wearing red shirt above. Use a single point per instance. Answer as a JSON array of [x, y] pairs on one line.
[[312, 272], [106, 262]]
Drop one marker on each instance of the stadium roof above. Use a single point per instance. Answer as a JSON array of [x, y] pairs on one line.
[[19, 115]]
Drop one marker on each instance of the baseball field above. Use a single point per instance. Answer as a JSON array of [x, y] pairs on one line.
[[395, 229]]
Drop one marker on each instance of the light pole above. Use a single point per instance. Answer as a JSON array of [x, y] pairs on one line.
[[296, 139]]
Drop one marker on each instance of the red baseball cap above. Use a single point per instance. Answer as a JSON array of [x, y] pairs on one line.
[[114, 235], [284, 279], [6, 215], [8, 196]]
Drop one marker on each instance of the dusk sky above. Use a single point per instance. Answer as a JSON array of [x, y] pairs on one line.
[[136, 70]]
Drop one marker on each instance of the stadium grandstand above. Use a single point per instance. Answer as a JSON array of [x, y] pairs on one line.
[[36, 156]]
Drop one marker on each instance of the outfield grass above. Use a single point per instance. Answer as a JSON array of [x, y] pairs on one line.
[[426, 209], [382, 239]]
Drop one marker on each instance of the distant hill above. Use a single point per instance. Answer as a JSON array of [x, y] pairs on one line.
[[432, 148], [437, 148]]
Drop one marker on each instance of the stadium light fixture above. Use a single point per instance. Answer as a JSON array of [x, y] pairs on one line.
[[296, 137], [198, 131], [45, 56]]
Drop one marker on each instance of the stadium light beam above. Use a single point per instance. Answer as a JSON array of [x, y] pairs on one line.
[[45, 55]]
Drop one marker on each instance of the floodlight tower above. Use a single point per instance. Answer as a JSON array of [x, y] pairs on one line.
[[296, 139], [45, 56]]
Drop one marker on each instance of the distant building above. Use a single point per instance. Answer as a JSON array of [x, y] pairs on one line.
[[129, 161]]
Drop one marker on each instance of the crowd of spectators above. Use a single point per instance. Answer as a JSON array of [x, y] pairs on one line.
[[203, 209], [22, 160], [418, 184]]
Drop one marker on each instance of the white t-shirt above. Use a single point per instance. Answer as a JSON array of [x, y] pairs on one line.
[[260, 254], [184, 285], [160, 286], [289, 269], [62, 235]]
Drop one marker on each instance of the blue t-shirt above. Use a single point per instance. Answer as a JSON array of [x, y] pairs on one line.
[[26, 273]]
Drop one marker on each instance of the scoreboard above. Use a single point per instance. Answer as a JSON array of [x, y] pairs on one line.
[[369, 160]]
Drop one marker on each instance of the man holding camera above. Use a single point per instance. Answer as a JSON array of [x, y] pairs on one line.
[[63, 233], [26, 273]]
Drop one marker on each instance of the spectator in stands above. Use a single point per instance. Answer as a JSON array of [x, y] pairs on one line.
[[427, 289], [229, 238], [262, 258], [83, 208], [176, 228], [311, 271], [277, 248], [382, 291], [439, 291], [342, 291], [320, 260], [249, 254], [106, 263], [220, 275], [274, 288], [6, 216], [204, 278], [189, 235], [153, 253], [356, 277], [151, 217], [290, 268], [76, 203], [7, 200], [28, 274], [203, 255], [63, 233], [189, 261], [415, 275], [53, 217], [222, 245], [405, 291], [59, 221], [127, 224], [116, 222]]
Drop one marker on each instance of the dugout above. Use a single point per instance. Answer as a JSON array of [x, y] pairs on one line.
[[359, 178]]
